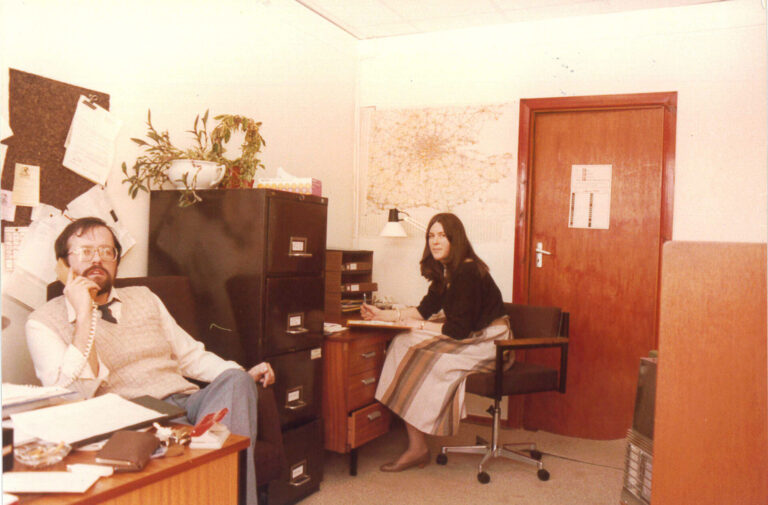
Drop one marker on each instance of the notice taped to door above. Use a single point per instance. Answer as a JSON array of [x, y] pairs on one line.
[[590, 205]]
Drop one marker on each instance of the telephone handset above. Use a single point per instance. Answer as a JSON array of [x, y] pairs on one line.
[[62, 274]]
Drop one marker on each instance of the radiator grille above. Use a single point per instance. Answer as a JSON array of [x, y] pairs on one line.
[[638, 468]]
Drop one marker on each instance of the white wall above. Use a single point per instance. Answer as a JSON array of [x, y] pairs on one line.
[[271, 60], [713, 55]]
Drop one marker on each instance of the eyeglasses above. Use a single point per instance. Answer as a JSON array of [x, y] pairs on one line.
[[85, 253]]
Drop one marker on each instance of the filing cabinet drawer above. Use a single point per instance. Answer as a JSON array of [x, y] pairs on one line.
[[294, 314], [298, 386], [296, 236], [368, 423], [362, 388], [304, 470], [366, 354]]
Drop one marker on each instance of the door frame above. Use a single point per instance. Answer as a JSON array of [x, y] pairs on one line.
[[529, 108]]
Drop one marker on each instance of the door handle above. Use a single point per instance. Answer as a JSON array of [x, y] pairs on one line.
[[540, 252]]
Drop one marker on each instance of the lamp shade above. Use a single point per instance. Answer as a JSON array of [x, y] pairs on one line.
[[393, 229]]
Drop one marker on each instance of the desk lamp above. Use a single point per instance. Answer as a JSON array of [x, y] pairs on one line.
[[393, 228]]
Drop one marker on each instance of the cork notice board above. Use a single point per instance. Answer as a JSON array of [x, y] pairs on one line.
[[40, 113]]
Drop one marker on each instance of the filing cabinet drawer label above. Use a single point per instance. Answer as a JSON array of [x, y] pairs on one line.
[[299, 473], [316, 353], [299, 247], [295, 320], [293, 398]]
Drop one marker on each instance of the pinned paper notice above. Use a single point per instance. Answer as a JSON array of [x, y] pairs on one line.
[[91, 141], [590, 205], [26, 185]]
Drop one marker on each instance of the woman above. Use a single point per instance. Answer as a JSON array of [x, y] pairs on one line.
[[423, 377]]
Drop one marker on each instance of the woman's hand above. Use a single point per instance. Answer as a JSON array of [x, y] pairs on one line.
[[369, 312]]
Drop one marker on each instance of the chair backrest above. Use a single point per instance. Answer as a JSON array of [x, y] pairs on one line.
[[175, 292], [529, 321]]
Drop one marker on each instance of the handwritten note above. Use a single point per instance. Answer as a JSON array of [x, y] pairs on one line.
[[26, 185]]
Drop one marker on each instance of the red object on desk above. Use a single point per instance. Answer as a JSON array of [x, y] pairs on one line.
[[207, 421]]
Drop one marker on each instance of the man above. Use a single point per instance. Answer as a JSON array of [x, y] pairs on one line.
[[98, 339]]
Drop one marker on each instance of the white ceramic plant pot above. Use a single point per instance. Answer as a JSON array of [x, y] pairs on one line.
[[201, 174]]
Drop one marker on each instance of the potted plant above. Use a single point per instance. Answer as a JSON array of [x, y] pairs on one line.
[[201, 166]]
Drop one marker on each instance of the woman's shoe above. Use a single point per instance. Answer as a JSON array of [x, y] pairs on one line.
[[394, 466]]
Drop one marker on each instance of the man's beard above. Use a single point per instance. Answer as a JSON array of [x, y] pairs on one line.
[[105, 285]]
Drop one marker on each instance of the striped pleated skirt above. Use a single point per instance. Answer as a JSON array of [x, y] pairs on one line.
[[424, 375]]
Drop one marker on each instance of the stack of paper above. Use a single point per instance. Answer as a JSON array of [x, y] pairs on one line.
[[20, 397]]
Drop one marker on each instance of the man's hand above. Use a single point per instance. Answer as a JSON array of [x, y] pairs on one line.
[[263, 373], [78, 291]]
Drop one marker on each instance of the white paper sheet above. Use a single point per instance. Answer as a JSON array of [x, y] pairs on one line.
[[26, 185], [36, 254], [9, 209], [25, 288], [73, 422], [96, 202], [53, 482], [590, 205], [91, 142]]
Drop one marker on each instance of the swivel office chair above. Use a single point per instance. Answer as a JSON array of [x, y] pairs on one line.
[[532, 327]]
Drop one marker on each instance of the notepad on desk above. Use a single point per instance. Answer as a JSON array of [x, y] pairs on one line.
[[373, 323]]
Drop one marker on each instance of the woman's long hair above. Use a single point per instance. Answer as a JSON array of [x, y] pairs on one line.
[[461, 250]]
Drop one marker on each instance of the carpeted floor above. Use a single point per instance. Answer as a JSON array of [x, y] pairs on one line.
[[571, 482]]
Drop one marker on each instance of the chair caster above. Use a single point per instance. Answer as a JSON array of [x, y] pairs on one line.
[[441, 459], [536, 454], [541, 474], [483, 477]]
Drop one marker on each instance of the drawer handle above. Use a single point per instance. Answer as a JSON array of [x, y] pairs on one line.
[[297, 331], [300, 254], [301, 481], [296, 405], [374, 415], [369, 354], [368, 381]]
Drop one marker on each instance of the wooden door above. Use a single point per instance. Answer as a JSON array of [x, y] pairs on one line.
[[606, 278]]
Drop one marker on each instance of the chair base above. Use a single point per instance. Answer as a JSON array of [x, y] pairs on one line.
[[513, 451]]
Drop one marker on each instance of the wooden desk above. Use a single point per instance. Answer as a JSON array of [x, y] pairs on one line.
[[351, 416], [199, 476]]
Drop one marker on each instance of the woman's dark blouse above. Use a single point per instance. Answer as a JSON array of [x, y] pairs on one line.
[[471, 302]]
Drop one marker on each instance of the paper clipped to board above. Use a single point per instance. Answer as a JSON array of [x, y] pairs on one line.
[[91, 141]]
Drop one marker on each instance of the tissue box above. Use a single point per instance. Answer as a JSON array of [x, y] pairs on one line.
[[303, 185]]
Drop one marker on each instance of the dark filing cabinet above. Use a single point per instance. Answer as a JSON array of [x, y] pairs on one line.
[[255, 258]]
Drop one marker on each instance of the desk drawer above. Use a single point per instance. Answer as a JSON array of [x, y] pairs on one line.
[[365, 355], [361, 388], [368, 423]]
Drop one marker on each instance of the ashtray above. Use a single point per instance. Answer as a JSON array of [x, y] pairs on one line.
[[39, 453]]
